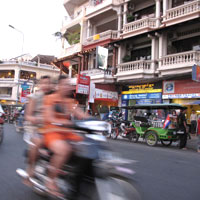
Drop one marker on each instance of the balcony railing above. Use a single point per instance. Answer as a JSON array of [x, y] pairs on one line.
[[140, 24], [94, 72], [72, 50], [180, 11], [181, 59], [144, 65], [94, 7], [102, 36]]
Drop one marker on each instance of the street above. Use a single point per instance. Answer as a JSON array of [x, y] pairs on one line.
[[162, 173]]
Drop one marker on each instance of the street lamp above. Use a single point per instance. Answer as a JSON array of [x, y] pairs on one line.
[[21, 61]]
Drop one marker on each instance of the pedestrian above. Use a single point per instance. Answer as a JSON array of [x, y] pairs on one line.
[[182, 126], [198, 135], [193, 120]]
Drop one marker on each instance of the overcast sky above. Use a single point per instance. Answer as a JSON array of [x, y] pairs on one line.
[[37, 19]]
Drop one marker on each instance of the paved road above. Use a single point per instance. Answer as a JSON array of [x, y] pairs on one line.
[[162, 173]]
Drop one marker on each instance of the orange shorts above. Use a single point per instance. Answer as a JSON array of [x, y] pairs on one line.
[[51, 137]]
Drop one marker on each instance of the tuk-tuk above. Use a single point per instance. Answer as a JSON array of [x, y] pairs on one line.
[[154, 122]]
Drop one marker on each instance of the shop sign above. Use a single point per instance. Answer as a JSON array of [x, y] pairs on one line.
[[144, 88], [181, 96], [24, 95], [148, 101], [196, 73], [83, 84], [142, 96], [104, 94], [181, 89], [101, 58]]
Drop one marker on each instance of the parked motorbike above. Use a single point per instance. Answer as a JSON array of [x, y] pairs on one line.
[[93, 171], [1, 129], [19, 123]]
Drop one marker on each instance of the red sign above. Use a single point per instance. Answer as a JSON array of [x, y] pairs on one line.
[[83, 84], [24, 95], [84, 80], [181, 87]]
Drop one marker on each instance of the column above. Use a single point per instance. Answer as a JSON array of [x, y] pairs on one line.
[[70, 71], [119, 13], [165, 7], [153, 50], [158, 4], [88, 28], [17, 75], [119, 54], [125, 13]]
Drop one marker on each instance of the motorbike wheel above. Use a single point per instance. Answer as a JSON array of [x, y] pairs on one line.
[[113, 135], [134, 137], [117, 188], [151, 138], [166, 143], [1, 134]]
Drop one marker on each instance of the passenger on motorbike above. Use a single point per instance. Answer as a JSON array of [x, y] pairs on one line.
[[33, 115], [58, 110]]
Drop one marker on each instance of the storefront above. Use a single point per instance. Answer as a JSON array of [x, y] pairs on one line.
[[184, 92], [142, 94], [150, 93], [102, 97]]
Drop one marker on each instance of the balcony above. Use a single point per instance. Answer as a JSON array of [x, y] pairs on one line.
[[99, 76], [182, 13], [97, 8], [138, 27], [136, 70], [69, 51], [179, 63], [112, 35]]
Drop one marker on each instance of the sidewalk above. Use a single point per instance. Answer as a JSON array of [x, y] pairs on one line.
[[192, 144]]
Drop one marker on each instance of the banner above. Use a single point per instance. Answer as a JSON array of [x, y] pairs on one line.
[[101, 57], [142, 96], [83, 84], [196, 73], [105, 95], [24, 95], [180, 89]]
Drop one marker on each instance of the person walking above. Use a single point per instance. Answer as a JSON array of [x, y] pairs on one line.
[[198, 135], [182, 125], [193, 120]]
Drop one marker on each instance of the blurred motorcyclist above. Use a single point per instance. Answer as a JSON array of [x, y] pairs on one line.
[[58, 110], [33, 115]]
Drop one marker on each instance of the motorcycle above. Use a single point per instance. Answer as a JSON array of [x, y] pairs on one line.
[[1, 129], [93, 171]]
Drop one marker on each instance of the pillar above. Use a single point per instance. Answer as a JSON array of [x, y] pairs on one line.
[[79, 65], [70, 71], [88, 28], [165, 7], [119, 54], [119, 13], [158, 4], [125, 13]]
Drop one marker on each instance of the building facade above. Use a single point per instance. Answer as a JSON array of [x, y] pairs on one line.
[[16, 74], [148, 41]]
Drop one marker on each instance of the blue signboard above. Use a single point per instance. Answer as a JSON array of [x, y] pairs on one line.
[[142, 96]]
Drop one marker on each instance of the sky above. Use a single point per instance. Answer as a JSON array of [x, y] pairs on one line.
[[37, 19]]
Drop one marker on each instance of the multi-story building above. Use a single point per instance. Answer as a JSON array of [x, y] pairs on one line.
[[14, 73], [149, 41]]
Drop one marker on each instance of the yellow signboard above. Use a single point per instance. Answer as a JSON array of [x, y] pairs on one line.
[[96, 37], [145, 88]]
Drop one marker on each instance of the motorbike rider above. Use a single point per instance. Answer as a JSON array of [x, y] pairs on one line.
[[33, 116], [58, 109]]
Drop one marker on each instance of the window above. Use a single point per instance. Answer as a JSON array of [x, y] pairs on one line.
[[7, 73], [27, 75], [5, 91]]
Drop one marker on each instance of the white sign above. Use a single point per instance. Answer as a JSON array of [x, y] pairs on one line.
[[92, 92], [102, 57], [169, 87], [83, 89], [104, 94]]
